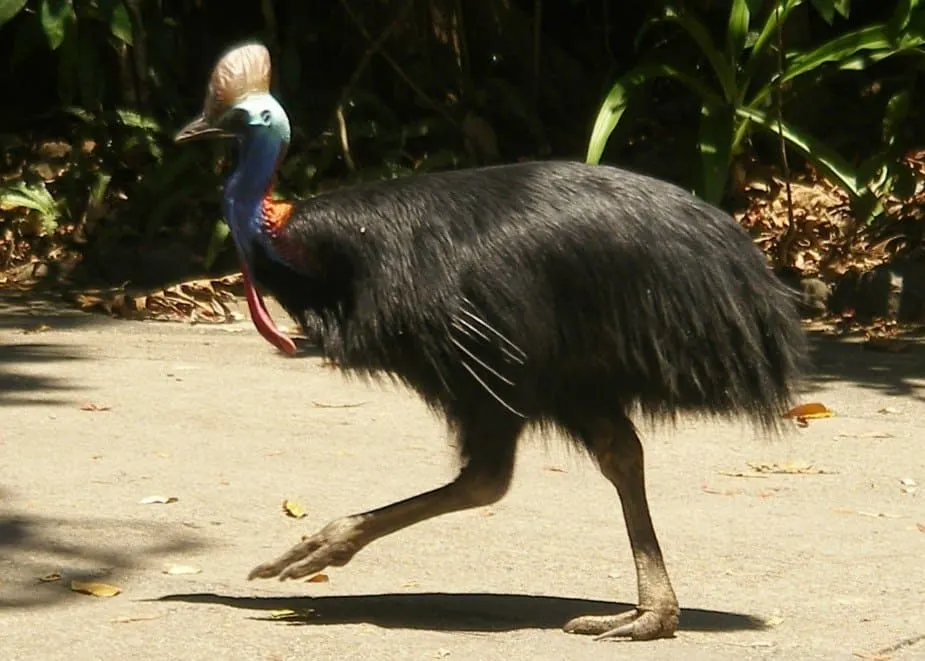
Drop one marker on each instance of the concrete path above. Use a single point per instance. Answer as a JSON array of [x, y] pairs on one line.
[[780, 566]]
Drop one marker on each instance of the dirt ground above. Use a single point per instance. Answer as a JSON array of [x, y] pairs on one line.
[[806, 565]]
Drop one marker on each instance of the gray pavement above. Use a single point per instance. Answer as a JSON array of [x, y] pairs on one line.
[[784, 566]]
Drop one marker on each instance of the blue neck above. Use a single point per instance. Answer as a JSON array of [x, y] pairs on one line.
[[260, 153]]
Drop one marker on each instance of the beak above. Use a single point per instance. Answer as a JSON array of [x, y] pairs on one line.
[[200, 129]]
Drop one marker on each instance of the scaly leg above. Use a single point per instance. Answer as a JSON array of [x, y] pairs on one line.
[[483, 481], [620, 456]]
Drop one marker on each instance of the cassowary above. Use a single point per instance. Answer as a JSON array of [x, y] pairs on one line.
[[550, 295]]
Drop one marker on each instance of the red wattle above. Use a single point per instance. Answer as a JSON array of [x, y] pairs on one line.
[[261, 317]]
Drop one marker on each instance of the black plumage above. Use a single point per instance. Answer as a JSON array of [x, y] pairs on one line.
[[611, 290]]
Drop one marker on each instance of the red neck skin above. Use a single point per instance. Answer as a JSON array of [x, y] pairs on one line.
[[261, 317]]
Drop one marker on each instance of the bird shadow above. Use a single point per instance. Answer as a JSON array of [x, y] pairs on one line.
[[439, 611]]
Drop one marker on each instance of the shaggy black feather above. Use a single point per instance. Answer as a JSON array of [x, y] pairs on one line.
[[552, 291]]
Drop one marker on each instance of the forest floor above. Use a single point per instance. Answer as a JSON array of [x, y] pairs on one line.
[[808, 547]]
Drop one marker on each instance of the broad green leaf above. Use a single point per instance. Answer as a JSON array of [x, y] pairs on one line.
[[9, 9], [873, 41], [220, 232], [722, 68], [737, 30], [717, 125], [56, 17], [116, 15], [29, 197], [871, 38], [614, 105], [899, 20], [817, 152]]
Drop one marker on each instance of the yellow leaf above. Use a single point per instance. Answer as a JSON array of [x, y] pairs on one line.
[[293, 509], [95, 589], [811, 411], [177, 570], [318, 578], [158, 500]]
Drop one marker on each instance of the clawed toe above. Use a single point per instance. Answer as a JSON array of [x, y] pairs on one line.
[[637, 624]]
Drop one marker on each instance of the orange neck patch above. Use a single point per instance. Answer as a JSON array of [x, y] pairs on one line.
[[275, 214]]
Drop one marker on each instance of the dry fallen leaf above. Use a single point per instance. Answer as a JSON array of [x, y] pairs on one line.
[[158, 500], [318, 578], [867, 434], [177, 570], [49, 578], [90, 406], [789, 468], [873, 656], [920, 526], [556, 469], [95, 589], [282, 612], [811, 411], [293, 509], [442, 653], [888, 409]]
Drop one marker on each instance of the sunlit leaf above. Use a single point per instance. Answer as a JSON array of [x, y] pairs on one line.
[[615, 103], [95, 589], [723, 68], [181, 570], [737, 30], [220, 232], [318, 578], [717, 126], [158, 500], [818, 153], [812, 410], [9, 9], [293, 509], [56, 16]]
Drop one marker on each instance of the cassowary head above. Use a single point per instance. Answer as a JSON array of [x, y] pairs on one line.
[[239, 105], [238, 102]]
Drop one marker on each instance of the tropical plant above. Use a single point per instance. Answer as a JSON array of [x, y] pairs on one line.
[[739, 97]]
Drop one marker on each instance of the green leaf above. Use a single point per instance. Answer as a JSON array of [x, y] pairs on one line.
[[135, 120], [737, 30], [116, 15], [871, 38], [817, 152], [615, 103], [873, 41], [34, 197], [220, 232], [717, 126], [56, 17], [899, 20], [9, 9], [722, 68]]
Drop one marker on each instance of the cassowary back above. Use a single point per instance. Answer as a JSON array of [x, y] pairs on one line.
[[551, 289]]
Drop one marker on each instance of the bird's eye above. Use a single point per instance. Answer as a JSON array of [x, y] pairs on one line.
[[266, 117]]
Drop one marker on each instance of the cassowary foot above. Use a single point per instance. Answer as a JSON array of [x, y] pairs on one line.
[[637, 624], [333, 546]]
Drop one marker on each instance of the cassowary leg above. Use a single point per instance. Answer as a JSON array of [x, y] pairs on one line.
[[483, 481], [619, 454]]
